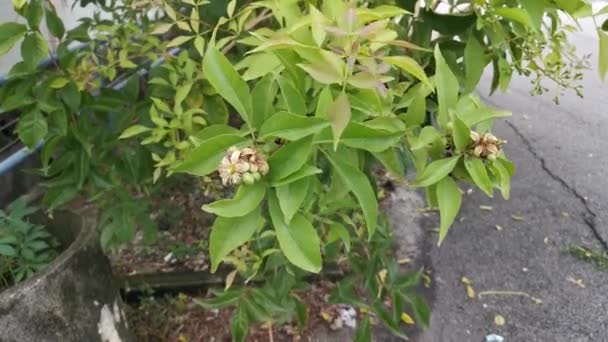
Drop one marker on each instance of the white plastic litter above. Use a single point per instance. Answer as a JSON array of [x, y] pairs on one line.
[[494, 338], [348, 316]]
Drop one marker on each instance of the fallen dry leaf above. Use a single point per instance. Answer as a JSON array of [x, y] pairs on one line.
[[499, 320], [518, 218], [578, 282]]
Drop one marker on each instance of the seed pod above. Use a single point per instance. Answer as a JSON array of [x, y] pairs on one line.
[[248, 178]]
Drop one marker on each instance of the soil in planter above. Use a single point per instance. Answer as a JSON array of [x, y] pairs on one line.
[[184, 227], [179, 318], [183, 230]]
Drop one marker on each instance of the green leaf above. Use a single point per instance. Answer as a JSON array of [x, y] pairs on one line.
[[420, 308], [449, 199], [305, 171], [291, 126], [427, 136], [479, 115], [475, 62], [291, 96], [199, 45], [416, 112], [602, 11], [389, 159], [289, 158], [436, 171], [180, 40], [504, 178], [324, 103], [291, 196], [410, 66], [34, 49], [461, 134], [603, 54], [364, 331], [479, 174], [7, 250], [301, 313], [33, 13], [299, 240], [322, 72], [338, 231], [339, 116], [264, 93], [32, 128], [536, 11], [362, 137], [239, 324], [516, 14], [10, 34], [214, 131], [54, 24], [247, 198], [133, 131], [359, 185], [505, 71], [447, 88], [261, 64], [227, 82], [318, 23], [227, 234], [222, 300], [364, 80], [204, 159]]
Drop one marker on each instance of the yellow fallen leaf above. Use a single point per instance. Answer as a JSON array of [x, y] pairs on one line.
[[404, 261], [407, 319], [182, 338], [499, 320], [382, 275], [326, 316], [518, 218], [426, 280], [470, 292], [468, 283], [578, 282]]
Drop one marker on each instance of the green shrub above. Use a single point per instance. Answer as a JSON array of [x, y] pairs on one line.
[[25, 247], [294, 104]]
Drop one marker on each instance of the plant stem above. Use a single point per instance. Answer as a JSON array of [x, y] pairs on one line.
[[270, 336]]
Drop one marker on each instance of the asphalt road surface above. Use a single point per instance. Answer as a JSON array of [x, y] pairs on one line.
[[561, 193]]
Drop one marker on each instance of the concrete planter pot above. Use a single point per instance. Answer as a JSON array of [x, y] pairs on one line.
[[73, 299]]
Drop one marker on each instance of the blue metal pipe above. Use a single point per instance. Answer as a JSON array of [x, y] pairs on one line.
[[18, 157]]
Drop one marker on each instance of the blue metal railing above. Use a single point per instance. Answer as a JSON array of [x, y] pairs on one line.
[[21, 155]]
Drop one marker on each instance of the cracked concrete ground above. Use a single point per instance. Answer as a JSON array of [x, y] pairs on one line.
[[561, 192]]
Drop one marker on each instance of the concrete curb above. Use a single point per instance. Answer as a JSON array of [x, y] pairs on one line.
[[73, 299]]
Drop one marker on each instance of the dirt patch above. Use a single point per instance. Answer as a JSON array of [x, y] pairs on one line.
[[183, 230]]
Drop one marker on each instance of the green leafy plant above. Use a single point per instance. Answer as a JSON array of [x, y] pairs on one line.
[[25, 247], [325, 92], [292, 106]]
